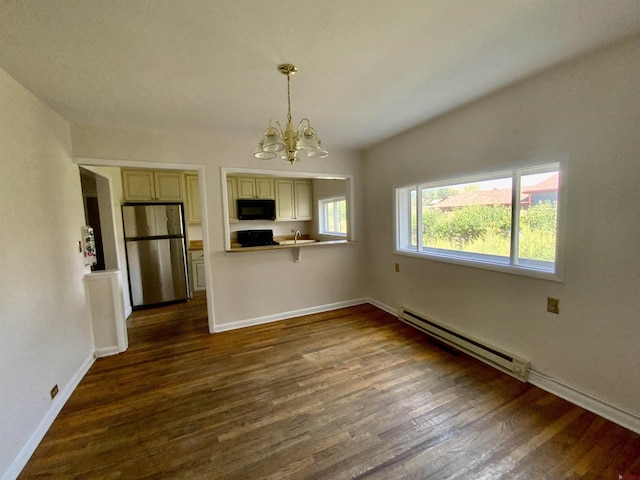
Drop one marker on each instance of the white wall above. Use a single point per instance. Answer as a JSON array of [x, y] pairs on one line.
[[45, 323], [245, 285], [589, 109]]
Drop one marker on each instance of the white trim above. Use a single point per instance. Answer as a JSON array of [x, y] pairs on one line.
[[38, 434], [586, 401], [383, 306], [106, 352], [483, 265], [119, 163], [284, 173], [290, 314]]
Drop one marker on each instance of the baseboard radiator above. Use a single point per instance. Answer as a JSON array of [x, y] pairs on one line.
[[493, 356]]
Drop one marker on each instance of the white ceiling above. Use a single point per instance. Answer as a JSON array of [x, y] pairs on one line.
[[368, 68]]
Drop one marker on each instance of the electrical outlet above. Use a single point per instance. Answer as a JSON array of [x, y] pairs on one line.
[[54, 391], [553, 305], [397, 267]]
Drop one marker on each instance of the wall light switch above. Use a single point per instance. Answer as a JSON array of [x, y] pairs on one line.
[[397, 267]]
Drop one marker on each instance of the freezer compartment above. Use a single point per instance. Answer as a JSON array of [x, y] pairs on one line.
[[152, 220], [157, 271]]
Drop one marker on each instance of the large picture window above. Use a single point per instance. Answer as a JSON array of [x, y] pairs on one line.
[[506, 221]]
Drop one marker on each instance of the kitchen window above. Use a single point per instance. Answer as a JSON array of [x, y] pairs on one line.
[[507, 221], [333, 216]]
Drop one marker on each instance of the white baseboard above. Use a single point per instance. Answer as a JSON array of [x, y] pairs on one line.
[[36, 437], [586, 401], [284, 315], [106, 352], [383, 306]]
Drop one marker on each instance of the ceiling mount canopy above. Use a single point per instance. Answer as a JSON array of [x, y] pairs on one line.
[[286, 143]]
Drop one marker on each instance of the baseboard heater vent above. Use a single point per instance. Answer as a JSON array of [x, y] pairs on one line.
[[495, 357]]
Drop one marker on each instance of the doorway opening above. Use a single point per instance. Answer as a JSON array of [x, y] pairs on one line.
[[96, 196], [195, 214]]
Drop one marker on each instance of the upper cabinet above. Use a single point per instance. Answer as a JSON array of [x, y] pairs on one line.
[[293, 199], [302, 198], [255, 187], [232, 196], [152, 185], [192, 203]]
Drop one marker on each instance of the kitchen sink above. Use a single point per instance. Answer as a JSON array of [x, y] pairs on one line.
[[299, 242]]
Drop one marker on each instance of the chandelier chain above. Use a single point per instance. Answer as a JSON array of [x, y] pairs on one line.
[[289, 97]]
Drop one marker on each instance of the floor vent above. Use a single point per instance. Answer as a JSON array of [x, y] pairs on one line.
[[495, 357]]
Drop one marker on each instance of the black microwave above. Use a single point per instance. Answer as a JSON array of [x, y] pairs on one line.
[[259, 209]]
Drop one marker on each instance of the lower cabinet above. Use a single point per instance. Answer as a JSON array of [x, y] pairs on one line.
[[198, 278]]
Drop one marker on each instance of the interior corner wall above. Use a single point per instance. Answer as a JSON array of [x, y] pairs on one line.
[[45, 319], [590, 110]]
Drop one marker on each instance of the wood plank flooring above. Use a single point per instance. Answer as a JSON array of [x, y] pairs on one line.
[[347, 394]]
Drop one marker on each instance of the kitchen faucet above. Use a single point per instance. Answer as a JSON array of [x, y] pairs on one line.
[[296, 235]]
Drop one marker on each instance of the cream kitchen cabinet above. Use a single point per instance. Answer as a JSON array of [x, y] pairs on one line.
[[255, 187], [198, 277], [232, 196], [293, 199], [302, 196], [151, 185], [192, 203]]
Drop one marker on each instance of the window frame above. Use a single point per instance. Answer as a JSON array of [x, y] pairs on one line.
[[322, 217], [510, 264]]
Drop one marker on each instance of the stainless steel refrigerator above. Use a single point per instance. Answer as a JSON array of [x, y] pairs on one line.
[[156, 253]]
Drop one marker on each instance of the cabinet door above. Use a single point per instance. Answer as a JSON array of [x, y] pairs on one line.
[[232, 196], [302, 197], [264, 188], [284, 200], [199, 277], [138, 185], [168, 186], [246, 187], [193, 199]]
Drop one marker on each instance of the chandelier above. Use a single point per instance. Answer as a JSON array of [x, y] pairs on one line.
[[286, 143]]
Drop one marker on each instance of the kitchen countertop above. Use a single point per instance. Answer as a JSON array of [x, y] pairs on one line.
[[236, 247], [195, 245]]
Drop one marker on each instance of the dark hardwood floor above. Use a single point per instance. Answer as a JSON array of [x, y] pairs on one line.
[[347, 394]]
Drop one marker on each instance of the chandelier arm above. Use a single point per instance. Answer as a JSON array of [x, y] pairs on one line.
[[300, 125], [279, 127]]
